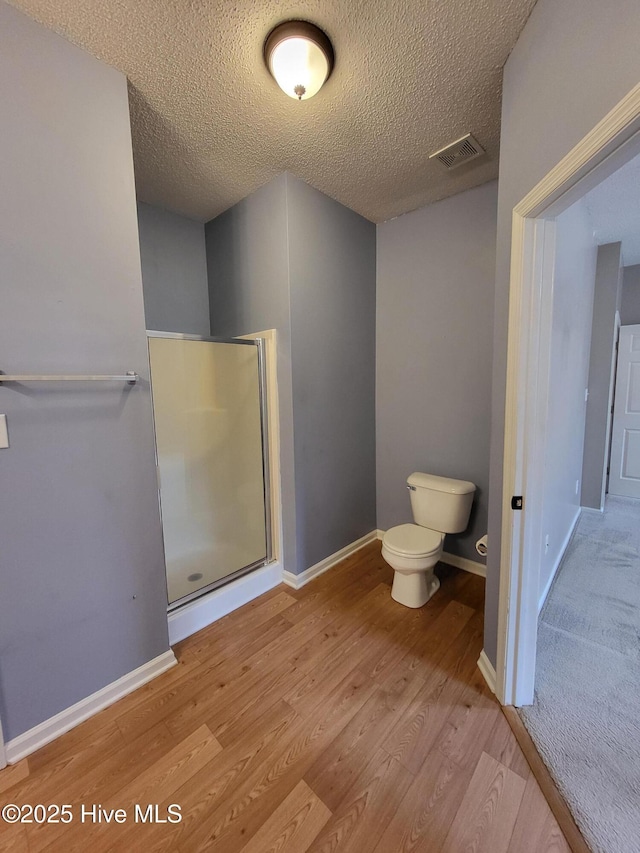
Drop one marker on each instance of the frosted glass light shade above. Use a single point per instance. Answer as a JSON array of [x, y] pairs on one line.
[[300, 58]]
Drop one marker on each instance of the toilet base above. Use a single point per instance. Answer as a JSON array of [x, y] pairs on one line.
[[414, 589]]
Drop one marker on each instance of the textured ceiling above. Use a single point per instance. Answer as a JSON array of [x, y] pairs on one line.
[[614, 206], [210, 125]]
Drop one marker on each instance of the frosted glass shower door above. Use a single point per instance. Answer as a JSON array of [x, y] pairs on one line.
[[207, 405]]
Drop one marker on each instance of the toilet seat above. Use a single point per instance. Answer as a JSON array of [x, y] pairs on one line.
[[411, 540]]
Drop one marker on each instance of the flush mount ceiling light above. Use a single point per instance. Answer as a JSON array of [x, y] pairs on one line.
[[300, 58]]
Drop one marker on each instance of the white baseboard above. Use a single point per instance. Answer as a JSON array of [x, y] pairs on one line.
[[488, 671], [453, 560], [464, 564], [61, 723], [204, 611], [298, 581], [556, 565]]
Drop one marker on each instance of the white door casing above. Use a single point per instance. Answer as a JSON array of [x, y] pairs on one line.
[[610, 144], [624, 475]]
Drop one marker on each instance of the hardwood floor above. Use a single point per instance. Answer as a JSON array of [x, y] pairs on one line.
[[324, 719]]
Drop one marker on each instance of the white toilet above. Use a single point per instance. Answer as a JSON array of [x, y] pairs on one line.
[[440, 505]]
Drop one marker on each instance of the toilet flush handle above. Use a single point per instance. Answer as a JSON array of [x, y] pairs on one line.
[[411, 488]]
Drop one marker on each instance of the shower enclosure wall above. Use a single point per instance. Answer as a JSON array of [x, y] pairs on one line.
[[210, 421]]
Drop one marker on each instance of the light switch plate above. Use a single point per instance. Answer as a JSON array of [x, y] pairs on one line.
[[4, 433]]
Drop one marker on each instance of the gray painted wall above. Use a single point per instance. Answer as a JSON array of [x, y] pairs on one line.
[[83, 587], [630, 303], [601, 372], [436, 275], [332, 269], [561, 79], [248, 269], [572, 307], [174, 271], [289, 258]]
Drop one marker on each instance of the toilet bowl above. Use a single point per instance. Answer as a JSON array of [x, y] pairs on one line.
[[440, 505], [412, 552]]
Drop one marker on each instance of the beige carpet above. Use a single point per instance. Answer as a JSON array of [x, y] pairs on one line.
[[586, 717]]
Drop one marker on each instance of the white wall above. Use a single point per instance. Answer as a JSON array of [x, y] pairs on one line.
[[435, 285], [573, 288]]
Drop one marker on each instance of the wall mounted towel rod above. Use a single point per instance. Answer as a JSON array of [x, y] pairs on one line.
[[130, 377]]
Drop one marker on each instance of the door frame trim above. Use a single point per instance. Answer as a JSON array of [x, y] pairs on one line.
[[178, 336], [610, 144]]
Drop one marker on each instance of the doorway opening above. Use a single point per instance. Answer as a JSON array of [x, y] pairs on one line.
[[611, 144]]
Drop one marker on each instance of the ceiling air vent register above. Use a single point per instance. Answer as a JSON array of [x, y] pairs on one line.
[[456, 153]]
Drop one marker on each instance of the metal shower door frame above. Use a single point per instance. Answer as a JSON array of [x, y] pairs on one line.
[[264, 428]]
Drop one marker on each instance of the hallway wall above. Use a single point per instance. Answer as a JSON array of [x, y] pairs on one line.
[[630, 307], [573, 288], [602, 359]]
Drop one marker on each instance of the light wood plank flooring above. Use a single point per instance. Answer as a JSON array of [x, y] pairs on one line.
[[325, 719]]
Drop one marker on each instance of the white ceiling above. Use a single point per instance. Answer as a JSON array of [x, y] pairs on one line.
[[210, 125], [614, 206]]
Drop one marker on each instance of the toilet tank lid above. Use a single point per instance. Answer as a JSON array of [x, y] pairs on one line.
[[441, 484]]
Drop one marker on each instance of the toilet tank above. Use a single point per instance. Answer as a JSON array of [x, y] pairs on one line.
[[440, 503]]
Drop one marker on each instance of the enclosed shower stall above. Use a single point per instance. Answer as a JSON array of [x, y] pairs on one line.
[[209, 405]]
